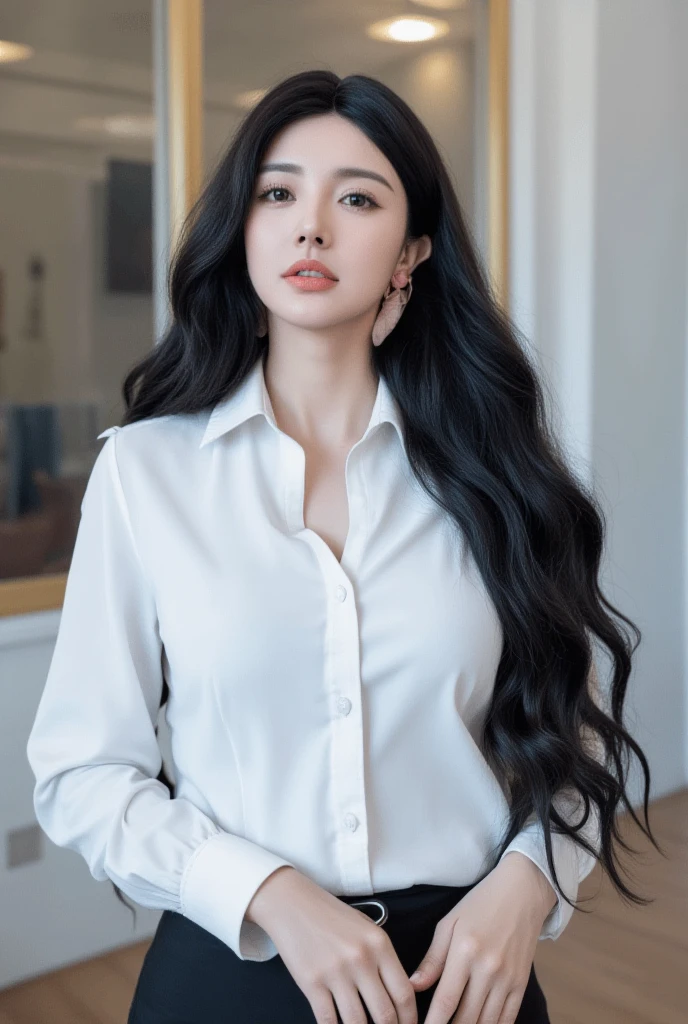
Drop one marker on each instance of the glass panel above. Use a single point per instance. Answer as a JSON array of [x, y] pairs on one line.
[[76, 308]]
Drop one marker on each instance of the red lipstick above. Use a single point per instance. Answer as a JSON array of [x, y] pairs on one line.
[[309, 283]]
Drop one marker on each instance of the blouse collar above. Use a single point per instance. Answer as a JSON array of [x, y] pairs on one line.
[[251, 398]]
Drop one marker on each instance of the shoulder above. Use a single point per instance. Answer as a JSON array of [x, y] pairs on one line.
[[151, 458], [157, 437]]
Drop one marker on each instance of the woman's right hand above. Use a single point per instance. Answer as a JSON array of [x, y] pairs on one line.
[[334, 952]]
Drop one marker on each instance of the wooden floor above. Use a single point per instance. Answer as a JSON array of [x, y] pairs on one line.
[[617, 965]]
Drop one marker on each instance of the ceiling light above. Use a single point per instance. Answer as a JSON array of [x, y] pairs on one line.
[[131, 126], [10, 52], [411, 29]]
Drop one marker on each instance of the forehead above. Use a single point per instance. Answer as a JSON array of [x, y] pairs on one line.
[[323, 142]]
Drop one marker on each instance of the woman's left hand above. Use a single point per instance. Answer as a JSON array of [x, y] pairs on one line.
[[483, 949]]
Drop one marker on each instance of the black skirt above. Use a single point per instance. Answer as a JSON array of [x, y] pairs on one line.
[[189, 976]]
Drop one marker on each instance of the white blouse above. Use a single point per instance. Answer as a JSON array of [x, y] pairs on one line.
[[321, 715]]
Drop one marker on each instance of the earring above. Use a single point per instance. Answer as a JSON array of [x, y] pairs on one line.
[[395, 298]]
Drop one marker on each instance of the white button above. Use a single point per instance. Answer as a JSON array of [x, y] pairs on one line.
[[351, 822], [344, 705], [340, 592]]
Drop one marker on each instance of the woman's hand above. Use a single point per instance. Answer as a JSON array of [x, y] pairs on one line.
[[333, 952], [483, 949]]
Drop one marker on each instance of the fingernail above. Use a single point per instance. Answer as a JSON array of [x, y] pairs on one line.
[[415, 976]]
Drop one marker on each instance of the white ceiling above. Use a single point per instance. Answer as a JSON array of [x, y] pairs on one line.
[[247, 44]]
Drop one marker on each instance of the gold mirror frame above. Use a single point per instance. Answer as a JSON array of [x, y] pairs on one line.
[[184, 26]]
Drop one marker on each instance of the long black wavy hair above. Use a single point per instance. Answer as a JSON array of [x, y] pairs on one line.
[[478, 440]]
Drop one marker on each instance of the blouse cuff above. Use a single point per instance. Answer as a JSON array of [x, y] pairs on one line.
[[218, 884], [566, 863]]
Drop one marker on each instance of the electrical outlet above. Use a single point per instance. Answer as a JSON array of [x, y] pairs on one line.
[[24, 845]]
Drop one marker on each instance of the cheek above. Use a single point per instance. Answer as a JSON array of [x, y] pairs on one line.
[[375, 253], [258, 230], [371, 271]]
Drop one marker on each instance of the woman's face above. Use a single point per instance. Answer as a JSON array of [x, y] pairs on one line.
[[352, 222]]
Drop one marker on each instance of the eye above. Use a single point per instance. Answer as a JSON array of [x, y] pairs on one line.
[[272, 188], [282, 188], [365, 196]]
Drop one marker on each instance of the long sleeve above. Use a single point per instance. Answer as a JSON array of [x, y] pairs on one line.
[[573, 864], [93, 748]]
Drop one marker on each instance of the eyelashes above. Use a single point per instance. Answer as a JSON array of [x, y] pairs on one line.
[[283, 188]]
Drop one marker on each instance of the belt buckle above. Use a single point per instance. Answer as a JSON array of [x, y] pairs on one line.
[[374, 903]]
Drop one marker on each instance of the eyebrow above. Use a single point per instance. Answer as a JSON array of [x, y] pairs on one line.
[[340, 172]]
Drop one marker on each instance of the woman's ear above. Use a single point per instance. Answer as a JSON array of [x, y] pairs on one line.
[[424, 249], [417, 250]]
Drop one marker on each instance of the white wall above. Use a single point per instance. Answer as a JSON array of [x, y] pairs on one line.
[[598, 251], [553, 99], [639, 393]]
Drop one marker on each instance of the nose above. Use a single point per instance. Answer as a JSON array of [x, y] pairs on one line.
[[314, 227], [314, 238]]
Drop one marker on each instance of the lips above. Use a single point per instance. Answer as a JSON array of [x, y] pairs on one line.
[[309, 265]]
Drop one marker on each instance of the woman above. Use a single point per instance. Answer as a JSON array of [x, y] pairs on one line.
[[335, 536]]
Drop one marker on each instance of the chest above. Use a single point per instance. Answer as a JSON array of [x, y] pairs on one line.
[[325, 502], [249, 608]]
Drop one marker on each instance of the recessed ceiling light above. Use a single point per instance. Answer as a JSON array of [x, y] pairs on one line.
[[411, 29], [10, 52], [131, 126]]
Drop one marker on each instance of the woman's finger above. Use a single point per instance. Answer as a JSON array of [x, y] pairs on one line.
[[511, 1006], [322, 1005], [402, 992], [348, 999], [492, 1010], [453, 984], [388, 994]]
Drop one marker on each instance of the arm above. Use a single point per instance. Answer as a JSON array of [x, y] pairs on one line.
[[573, 864], [94, 752]]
